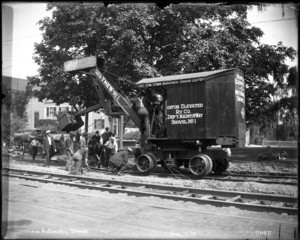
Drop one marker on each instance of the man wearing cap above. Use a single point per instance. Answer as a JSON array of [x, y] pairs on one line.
[[49, 147], [119, 161]]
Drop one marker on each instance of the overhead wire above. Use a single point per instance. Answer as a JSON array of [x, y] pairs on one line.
[[15, 39], [275, 20]]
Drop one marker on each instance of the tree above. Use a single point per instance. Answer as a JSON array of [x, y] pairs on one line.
[[14, 115], [142, 40], [287, 104]]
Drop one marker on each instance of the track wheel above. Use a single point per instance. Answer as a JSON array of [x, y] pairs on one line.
[[153, 158], [220, 165], [145, 163], [200, 165]]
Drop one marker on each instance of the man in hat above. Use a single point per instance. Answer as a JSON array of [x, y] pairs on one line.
[[49, 147], [106, 135], [34, 147], [111, 149], [119, 161]]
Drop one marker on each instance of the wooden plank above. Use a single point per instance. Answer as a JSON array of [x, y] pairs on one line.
[[80, 64]]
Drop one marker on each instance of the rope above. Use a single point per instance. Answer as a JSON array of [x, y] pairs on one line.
[[170, 169]]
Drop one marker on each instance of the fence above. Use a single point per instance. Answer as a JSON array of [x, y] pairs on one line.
[[291, 144]]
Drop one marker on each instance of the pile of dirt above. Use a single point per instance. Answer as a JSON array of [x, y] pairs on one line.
[[267, 167]]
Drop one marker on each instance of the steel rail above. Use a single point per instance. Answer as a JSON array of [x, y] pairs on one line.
[[225, 177], [262, 174], [252, 179], [287, 176], [182, 193]]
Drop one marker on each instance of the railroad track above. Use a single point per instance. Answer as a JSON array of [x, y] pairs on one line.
[[285, 180], [247, 201]]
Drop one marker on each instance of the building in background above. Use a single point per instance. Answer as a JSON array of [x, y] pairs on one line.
[[15, 84]]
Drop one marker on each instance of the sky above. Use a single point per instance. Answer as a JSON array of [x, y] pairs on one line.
[[20, 34]]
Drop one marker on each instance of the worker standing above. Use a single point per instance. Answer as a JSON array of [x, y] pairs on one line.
[[119, 161], [111, 149], [106, 135], [34, 147], [93, 147], [98, 137], [141, 105], [83, 140], [49, 147]]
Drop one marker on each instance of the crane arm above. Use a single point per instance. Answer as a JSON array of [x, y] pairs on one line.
[[90, 66], [123, 103]]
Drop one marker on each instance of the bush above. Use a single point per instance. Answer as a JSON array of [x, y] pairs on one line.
[[46, 124], [281, 132], [131, 135]]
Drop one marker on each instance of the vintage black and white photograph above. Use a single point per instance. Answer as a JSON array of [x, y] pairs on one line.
[[149, 120]]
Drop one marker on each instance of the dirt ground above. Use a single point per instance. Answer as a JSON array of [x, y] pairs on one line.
[[272, 167]]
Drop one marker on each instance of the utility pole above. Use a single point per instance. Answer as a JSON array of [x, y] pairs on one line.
[[87, 115], [86, 128], [121, 131]]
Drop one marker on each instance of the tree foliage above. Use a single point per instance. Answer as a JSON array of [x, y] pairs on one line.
[[142, 40], [14, 115], [287, 105]]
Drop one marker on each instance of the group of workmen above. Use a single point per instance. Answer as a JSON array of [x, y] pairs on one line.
[[100, 150]]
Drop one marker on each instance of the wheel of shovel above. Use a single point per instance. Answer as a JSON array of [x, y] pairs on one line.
[[146, 162], [220, 165], [200, 165]]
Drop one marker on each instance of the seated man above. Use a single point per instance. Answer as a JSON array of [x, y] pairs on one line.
[[119, 161]]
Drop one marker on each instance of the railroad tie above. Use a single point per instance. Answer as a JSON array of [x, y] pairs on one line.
[[234, 199], [207, 197]]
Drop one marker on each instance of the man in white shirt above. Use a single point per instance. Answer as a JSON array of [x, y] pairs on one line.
[[111, 149], [49, 147]]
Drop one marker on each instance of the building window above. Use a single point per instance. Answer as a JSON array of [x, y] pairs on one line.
[[63, 109], [36, 118], [51, 112], [98, 123]]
